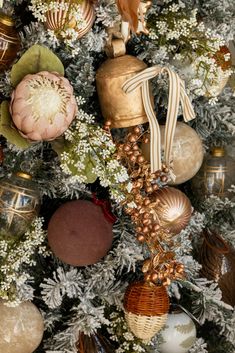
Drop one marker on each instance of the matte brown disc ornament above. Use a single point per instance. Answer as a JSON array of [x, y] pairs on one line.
[[173, 210], [79, 233]]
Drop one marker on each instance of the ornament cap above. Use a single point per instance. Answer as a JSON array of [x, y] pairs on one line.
[[218, 152], [24, 175], [6, 20]]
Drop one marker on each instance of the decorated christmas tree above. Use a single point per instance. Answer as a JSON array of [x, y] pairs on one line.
[[117, 155]]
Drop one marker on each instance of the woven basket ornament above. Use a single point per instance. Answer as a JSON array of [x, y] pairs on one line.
[[146, 308]]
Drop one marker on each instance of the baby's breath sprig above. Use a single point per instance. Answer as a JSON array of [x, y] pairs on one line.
[[90, 154], [191, 47], [15, 257]]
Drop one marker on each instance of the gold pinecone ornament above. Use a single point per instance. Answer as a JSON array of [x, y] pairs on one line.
[[146, 308]]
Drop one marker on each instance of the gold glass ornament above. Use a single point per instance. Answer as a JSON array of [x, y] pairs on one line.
[[123, 110], [64, 19], [174, 209], [19, 204], [9, 41], [146, 307], [216, 175], [187, 152]]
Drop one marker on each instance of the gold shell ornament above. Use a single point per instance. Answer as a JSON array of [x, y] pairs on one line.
[[173, 210]]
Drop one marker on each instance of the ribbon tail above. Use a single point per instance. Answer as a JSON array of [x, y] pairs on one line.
[[155, 135], [188, 111], [172, 112]]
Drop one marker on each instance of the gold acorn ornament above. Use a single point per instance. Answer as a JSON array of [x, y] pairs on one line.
[[146, 307], [70, 18], [9, 41]]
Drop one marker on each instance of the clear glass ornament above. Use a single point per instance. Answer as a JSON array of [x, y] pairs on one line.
[[216, 175], [19, 204]]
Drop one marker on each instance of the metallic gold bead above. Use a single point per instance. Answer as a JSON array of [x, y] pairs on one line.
[[132, 138], [154, 277], [133, 159], [127, 148], [156, 227], [149, 189], [140, 159], [147, 202], [137, 130], [140, 238], [146, 222], [164, 178]]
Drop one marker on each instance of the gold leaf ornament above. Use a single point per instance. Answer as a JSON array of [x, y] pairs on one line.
[[8, 130], [129, 12], [34, 60]]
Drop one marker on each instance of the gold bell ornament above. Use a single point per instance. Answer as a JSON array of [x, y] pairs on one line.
[[121, 109]]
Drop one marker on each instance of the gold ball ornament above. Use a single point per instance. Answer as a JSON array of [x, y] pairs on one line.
[[122, 109], [21, 328], [187, 152], [173, 210], [216, 175], [19, 204], [9, 42], [62, 19], [146, 307]]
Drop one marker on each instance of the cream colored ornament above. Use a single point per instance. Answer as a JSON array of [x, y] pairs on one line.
[[186, 153], [21, 328], [179, 333], [43, 106]]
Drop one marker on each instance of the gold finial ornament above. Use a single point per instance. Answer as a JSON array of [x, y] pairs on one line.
[[24, 175], [218, 152]]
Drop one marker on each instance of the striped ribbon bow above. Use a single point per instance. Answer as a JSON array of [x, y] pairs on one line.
[[176, 94]]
